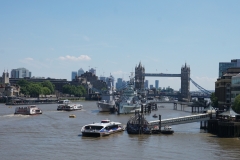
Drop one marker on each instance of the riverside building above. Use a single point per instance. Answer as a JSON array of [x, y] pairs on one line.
[[235, 87], [223, 87], [223, 66]]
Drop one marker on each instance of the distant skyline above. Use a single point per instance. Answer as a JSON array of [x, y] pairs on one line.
[[54, 38]]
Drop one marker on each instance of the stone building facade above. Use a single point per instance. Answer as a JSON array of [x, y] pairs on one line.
[[92, 79], [185, 83], [139, 77], [5, 78]]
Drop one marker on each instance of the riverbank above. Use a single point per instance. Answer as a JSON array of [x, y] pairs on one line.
[[37, 101]]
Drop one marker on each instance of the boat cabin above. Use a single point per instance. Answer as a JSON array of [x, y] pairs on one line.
[[105, 121]]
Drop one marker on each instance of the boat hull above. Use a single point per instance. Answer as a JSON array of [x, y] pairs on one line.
[[126, 109], [105, 107], [94, 134], [167, 132]]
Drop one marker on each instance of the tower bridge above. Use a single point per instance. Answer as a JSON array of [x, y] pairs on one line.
[[161, 75], [184, 75]]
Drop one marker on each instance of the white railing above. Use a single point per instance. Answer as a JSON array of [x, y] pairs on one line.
[[182, 120]]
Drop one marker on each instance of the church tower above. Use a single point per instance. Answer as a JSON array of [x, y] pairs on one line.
[[139, 76], [5, 77], [185, 82]]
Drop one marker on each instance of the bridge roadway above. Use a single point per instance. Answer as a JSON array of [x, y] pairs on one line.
[[181, 120], [161, 75], [174, 102]]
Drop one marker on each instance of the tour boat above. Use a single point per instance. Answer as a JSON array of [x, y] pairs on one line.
[[29, 110], [66, 105], [167, 130], [104, 128]]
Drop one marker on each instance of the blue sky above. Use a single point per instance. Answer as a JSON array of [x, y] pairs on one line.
[[51, 38]]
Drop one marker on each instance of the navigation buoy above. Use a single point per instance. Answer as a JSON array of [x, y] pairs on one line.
[[72, 116]]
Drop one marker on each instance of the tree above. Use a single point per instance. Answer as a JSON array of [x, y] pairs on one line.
[[46, 91], [23, 83], [35, 89], [49, 85], [236, 104], [73, 90], [214, 100], [24, 90]]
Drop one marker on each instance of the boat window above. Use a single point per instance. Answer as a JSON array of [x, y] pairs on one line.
[[94, 127], [112, 127], [105, 121]]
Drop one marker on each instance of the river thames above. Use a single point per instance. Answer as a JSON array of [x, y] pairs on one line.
[[53, 135]]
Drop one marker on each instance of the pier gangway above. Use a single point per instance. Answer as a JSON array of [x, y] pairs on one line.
[[181, 120]]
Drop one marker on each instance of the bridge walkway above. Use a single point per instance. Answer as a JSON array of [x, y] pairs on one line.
[[181, 120]]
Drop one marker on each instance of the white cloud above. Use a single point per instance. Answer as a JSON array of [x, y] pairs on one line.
[[28, 59], [73, 58]]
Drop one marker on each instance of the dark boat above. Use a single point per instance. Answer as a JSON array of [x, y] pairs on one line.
[[155, 116]]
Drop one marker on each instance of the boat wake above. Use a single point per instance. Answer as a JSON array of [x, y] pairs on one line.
[[14, 115]]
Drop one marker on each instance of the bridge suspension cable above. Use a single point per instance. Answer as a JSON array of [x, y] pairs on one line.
[[201, 88]]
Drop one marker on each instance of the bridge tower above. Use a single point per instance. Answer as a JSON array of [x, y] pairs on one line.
[[139, 76], [185, 82]]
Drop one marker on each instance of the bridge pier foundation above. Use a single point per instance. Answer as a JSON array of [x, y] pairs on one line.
[[182, 107], [203, 125], [174, 106]]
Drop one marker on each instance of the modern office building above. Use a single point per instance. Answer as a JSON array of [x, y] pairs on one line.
[[223, 66], [119, 83], [103, 79], [74, 74], [110, 81], [146, 84], [151, 86], [20, 73], [124, 83], [80, 72], [156, 84], [93, 71], [235, 87]]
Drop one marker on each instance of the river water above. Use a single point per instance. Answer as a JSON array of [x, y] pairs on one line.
[[53, 135]]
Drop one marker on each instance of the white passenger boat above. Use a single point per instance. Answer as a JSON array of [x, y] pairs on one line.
[[104, 128], [167, 130], [69, 107], [65, 101], [66, 105], [164, 98], [29, 110]]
